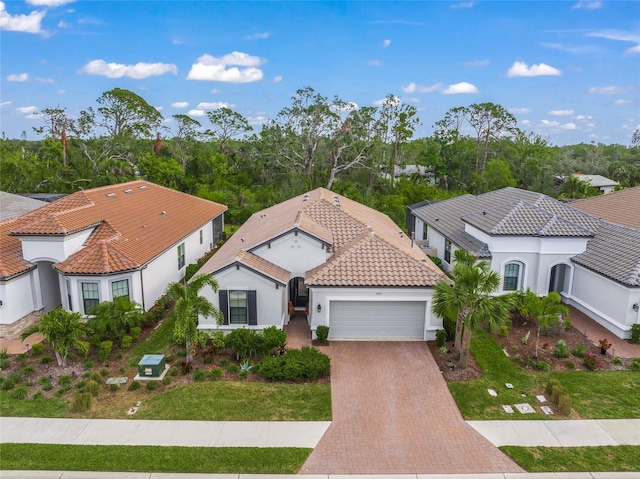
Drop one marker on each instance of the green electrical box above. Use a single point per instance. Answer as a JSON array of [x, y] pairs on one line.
[[151, 365]]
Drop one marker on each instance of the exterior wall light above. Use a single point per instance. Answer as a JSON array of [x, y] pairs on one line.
[[320, 308], [636, 307]]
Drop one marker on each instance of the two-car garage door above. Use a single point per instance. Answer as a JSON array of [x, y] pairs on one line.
[[390, 320]]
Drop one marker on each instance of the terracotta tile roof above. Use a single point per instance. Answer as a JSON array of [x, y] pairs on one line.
[[11, 261], [614, 253], [136, 221], [384, 256], [263, 266], [620, 207]]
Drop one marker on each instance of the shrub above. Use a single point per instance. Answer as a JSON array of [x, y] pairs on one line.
[[173, 371], [635, 334], [579, 351], [20, 392], [81, 402], [38, 395], [199, 375], [186, 368], [80, 385], [167, 380], [564, 404], [243, 374], [88, 364], [561, 350], [62, 391], [46, 360], [126, 342], [441, 337], [532, 363], [245, 343], [570, 364], [44, 380], [271, 368], [504, 331], [113, 387], [296, 364], [37, 349], [233, 368], [634, 365], [152, 385], [4, 353], [169, 358], [134, 386], [97, 377], [104, 349], [550, 385], [518, 359], [525, 339], [104, 372], [135, 332], [443, 349], [215, 373], [28, 370], [543, 366], [591, 361], [616, 361], [47, 387], [92, 387], [5, 363], [556, 392], [322, 333], [218, 341], [65, 380], [566, 324]]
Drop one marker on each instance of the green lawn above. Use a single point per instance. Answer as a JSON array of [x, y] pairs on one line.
[[597, 394], [158, 342], [576, 459], [152, 458]]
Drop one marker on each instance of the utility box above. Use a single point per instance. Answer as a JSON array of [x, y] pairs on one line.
[[151, 365]]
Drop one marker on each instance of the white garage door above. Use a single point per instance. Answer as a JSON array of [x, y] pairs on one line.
[[392, 320]]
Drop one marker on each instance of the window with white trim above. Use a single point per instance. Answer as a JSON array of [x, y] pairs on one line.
[[120, 288], [447, 250], [238, 310], [69, 303], [181, 257], [90, 296], [511, 279]]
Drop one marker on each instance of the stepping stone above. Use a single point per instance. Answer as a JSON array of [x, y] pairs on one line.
[[508, 385], [546, 409], [492, 392], [132, 411], [508, 409], [525, 408], [121, 380], [541, 398]]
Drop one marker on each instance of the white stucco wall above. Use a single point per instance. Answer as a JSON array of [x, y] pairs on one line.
[[605, 301], [19, 297], [436, 240], [324, 296], [271, 301], [53, 248], [296, 253]]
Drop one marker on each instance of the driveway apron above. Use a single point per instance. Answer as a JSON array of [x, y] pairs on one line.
[[393, 413]]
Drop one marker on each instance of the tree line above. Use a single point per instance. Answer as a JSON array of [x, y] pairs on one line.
[[357, 151]]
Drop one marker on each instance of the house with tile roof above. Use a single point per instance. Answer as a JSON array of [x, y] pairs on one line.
[[599, 182], [536, 242], [94, 245], [347, 266]]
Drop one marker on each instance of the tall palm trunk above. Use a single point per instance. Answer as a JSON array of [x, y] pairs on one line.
[[466, 345]]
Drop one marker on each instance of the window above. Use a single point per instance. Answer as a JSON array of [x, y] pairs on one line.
[[120, 288], [238, 307], [511, 280], [181, 256], [69, 303], [217, 228], [90, 296], [425, 231], [447, 251], [200, 236]]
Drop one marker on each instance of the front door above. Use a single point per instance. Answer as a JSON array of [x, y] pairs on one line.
[[298, 292]]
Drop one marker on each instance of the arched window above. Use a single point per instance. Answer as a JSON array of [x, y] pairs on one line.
[[512, 277]]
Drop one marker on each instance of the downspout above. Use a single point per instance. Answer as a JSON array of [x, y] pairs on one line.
[[142, 286]]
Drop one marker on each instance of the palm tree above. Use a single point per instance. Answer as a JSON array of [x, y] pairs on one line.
[[189, 305], [113, 319], [64, 330], [545, 311], [469, 299]]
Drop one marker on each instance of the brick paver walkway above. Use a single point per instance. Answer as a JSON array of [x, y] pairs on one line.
[[393, 413], [298, 331]]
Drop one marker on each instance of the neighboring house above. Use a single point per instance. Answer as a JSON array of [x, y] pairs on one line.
[[536, 242], [602, 183], [15, 205], [130, 239], [347, 266]]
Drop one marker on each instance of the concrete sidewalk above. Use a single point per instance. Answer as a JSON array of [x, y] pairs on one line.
[[168, 475], [162, 433], [571, 433]]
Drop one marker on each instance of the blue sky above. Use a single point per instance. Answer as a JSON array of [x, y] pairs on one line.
[[568, 70]]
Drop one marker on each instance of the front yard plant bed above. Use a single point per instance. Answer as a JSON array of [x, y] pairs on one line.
[[607, 394], [152, 458], [576, 459]]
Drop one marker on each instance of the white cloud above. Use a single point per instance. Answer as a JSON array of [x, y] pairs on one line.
[[180, 104], [521, 69], [412, 100], [635, 49], [557, 126], [18, 77], [526, 122], [212, 105], [588, 5], [210, 68], [177, 41], [44, 80], [386, 43], [520, 111], [583, 117], [26, 110], [258, 119], [457, 6], [374, 63], [394, 100], [621, 102], [277, 79], [459, 88], [619, 35], [215, 91], [258, 36], [561, 112], [195, 113], [5, 103], [608, 90], [21, 23], [569, 126], [118, 70], [476, 63], [49, 3], [415, 87]]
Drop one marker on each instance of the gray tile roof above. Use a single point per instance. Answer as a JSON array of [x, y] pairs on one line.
[[614, 253], [14, 205]]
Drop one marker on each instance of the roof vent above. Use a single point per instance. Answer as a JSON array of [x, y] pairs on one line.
[[163, 213], [143, 187], [305, 197], [484, 213], [437, 219], [129, 190], [111, 195]]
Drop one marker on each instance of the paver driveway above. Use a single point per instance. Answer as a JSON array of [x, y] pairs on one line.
[[393, 413]]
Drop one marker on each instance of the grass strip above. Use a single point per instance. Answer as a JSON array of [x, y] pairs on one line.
[[158, 342], [152, 458], [594, 394], [575, 459], [52, 407]]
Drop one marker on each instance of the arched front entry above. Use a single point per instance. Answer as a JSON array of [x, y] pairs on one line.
[[49, 285], [298, 293], [559, 278]]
